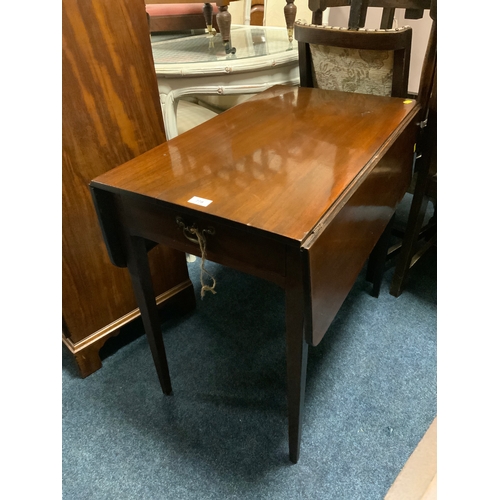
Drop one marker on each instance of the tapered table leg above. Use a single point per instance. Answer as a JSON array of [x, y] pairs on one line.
[[138, 266], [296, 363]]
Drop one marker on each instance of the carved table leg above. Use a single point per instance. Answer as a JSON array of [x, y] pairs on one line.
[[224, 23], [208, 12], [290, 14]]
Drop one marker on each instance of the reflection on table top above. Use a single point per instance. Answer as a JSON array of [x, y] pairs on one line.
[[292, 152], [250, 42]]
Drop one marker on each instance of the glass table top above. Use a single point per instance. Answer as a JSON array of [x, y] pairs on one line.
[[250, 42]]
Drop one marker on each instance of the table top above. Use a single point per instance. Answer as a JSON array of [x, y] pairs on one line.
[[278, 163], [254, 45]]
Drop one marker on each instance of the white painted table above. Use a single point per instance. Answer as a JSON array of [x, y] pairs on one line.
[[198, 64]]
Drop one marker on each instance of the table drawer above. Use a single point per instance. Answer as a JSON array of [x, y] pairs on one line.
[[226, 244]]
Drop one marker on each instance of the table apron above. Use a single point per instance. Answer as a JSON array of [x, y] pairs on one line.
[[251, 253]]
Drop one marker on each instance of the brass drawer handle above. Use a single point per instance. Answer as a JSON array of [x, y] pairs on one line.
[[188, 231], [201, 241]]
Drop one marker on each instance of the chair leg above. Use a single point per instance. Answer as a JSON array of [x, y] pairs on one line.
[[410, 239], [376, 261]]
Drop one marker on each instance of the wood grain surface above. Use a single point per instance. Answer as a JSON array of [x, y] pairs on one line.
[[111, 113], [275, 164]]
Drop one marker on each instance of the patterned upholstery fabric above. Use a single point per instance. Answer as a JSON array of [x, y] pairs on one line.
[[352, 70]]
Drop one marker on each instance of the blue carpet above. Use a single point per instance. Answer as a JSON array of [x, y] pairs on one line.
[[370, 397]]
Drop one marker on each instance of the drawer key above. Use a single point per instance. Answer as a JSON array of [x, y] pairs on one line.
[[201, 241]]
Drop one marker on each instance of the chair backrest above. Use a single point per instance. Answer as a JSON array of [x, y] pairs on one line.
[[430, 61], [414, 9], [362, 61]]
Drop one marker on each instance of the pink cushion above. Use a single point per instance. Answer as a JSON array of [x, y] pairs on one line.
[[175, 9]]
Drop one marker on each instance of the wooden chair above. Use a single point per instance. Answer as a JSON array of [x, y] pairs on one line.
[[380, 59], [417, 238], [381, 62], [414, 9], [414, 238]]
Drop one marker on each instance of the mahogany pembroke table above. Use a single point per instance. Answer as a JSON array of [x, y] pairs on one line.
[[295, 185]]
